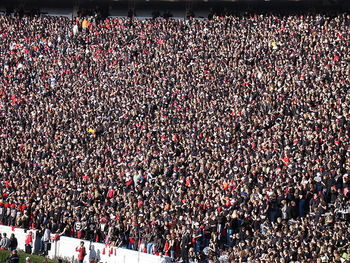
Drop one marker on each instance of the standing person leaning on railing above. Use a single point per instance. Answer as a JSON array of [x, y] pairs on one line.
[[29, 243]]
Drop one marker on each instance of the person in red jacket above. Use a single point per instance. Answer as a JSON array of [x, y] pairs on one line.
[[29, 243], [81, 251]]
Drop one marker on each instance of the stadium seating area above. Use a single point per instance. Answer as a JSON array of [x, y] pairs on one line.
[[223, 139]]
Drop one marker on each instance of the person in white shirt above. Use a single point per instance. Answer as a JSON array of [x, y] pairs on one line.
[[46, 239]]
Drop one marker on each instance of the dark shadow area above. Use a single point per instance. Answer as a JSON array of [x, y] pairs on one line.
[[165, 9]]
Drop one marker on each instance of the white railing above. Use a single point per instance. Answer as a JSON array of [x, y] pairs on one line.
[[65, 248]]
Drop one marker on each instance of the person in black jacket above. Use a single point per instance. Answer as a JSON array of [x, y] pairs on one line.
[[90, 235], [292, 210], [14, 258], [13, 242], [185, 246], [2, 212]]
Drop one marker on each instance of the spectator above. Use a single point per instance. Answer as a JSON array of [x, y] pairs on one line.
[[5, 242], [129, 130], [13, 242], [82, 252], [162, 259], [14, 258], [46, 238], [29, 242], [185, 244]]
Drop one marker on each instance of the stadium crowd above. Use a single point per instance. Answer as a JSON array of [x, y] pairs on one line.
[[205, 140]]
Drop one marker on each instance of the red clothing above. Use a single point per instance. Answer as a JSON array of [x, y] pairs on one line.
[[81, 251], [166, 249], [28, 240]]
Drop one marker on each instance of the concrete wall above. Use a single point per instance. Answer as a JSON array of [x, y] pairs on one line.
[[65, 248], [20, 234]]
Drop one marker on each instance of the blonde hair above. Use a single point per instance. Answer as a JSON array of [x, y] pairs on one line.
[[234, 214]]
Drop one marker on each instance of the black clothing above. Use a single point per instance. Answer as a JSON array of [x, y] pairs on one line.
[[184, 247], [14, 258]]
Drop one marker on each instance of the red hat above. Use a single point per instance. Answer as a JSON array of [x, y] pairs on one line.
[[24, 206], [1, 203], [13, 205], [7, 205]]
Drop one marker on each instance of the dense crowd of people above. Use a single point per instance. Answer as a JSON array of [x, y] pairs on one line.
[[204, 140]]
